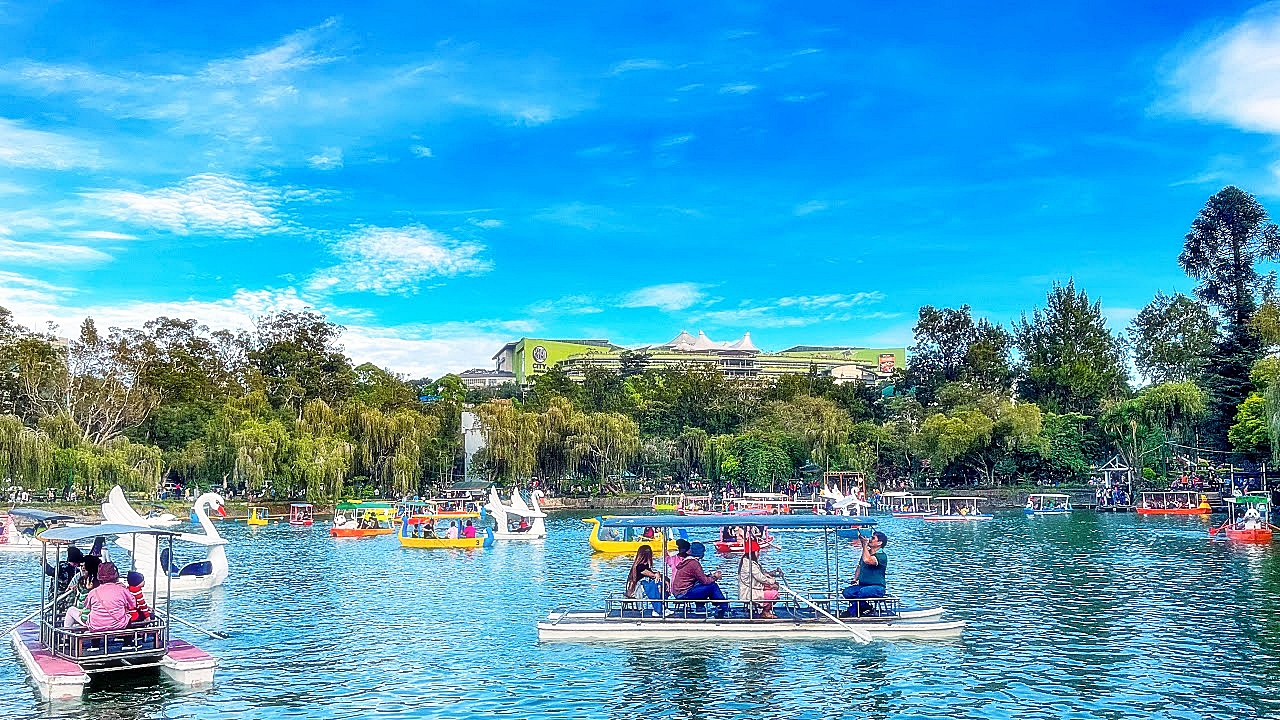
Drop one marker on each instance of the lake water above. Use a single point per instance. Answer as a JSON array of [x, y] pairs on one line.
[[1092, 615]]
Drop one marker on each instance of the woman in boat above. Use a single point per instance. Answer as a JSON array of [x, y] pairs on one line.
[[110, 604], [643, 581], [755, 585]]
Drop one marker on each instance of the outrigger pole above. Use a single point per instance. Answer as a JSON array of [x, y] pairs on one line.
[[860, 635]]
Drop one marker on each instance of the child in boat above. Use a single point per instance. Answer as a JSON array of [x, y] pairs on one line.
[[78, 614], [141, 612]]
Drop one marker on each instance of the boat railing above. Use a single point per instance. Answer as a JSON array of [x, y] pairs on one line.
[[149, 639], [788, 605]]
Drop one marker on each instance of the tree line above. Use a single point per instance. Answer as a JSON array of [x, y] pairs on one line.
[[281, 410]]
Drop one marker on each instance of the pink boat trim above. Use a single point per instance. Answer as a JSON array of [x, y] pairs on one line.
[[185, 651], [51, 665]]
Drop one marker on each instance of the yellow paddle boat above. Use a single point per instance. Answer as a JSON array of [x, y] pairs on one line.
[[257, 516], [624, 540], [431, 532]]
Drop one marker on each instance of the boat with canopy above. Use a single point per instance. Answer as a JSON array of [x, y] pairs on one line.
[[366, 519], [958, 508], [301, 514], [666, 503], [431, 532], [183, 576], [734, 539], [20, 530], [1248, 519], [810, 614], [258, 516], [1173, 502], [519, 520], [63, 660], [1047, 504], [912, 506]]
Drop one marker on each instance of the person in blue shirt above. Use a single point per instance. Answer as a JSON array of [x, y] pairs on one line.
[[869, 579]]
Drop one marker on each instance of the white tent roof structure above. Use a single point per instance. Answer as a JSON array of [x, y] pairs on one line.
[[684, 342], [744, 344]]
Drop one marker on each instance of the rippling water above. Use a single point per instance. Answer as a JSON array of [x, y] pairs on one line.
[[1088, 616]]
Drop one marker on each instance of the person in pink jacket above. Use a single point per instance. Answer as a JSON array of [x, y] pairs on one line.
[[110, 604]]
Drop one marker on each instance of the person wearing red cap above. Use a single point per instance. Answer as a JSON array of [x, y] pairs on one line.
[[755, 585]]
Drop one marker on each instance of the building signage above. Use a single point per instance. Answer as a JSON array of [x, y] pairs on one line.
[[887, 363]]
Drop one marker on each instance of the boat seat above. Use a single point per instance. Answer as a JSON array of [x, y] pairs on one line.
[[199, 568]]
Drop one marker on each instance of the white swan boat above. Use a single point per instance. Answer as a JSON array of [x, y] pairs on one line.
[[510, 518], [189, 577], [20, 529], [810, 615]]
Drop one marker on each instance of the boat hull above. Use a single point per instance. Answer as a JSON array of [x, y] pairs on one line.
[[359, 532], [574, 627], [737, 547], [446, 543], [601, 545], [1174, 511], [1035, 513], [913, 515], [1260, 535], [526, 536], [958, 518]]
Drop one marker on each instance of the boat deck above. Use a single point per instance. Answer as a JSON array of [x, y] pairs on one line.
[[57, 679]]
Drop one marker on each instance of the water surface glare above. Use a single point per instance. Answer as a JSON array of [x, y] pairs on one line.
[[1089, 616]]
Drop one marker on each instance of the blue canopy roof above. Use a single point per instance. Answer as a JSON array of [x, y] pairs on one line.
[[40, 515], [84, 532], [817, 522]]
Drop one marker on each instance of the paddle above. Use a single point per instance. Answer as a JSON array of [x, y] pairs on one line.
[[860, 635], [213, 634], [1215, 530]]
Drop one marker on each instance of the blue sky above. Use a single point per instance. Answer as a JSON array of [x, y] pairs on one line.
[[441, 178]]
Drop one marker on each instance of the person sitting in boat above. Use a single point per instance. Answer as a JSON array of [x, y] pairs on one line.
[[689, 582], [726, 534], [869, 579], [643, 581], [648, 533], [452, 532], [77, 614], [141, 613], [110, 604], [682, 552], [755, 585], [469, 530]]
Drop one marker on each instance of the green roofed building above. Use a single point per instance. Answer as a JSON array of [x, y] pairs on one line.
[[529, 357]]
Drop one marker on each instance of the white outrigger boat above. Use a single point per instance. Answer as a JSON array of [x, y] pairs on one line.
[[183, 577], [21, 528], [519, 520], [958, 508], [912, 506], [61, 661], [809, 615], [1047, 504]]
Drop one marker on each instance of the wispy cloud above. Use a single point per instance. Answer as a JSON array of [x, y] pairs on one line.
[[737, 89], [676, 140], [834, 300], [41, 253], [811, 207], [1233, 77], [329, 159], [101, 235], [421, 151], [669, 297], [567, 305], [200, 204], [632, 65], [579, 215], [392, 260], [799, 311], [25, 147], [485, 224]]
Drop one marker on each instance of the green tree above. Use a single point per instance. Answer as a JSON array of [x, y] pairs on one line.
[[1070, 360], [951, 347], [1172, 338]]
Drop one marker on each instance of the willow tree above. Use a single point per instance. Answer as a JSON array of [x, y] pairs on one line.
[[26, 455], [511, 436]]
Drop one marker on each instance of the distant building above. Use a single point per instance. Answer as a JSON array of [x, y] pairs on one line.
[[479, 378], [529, 357]]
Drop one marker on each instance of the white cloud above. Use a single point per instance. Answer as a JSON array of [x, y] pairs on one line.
[[737, 89], [41, 253], [668, 297], [638, 64], [390, 260], [200, 204], [579, 215], [1234, 77], [101, 235], [485, 224], [834, 300], [811, 207], [567, 305], [421, 151], [25, 147], [329, 159], [676, 140], [801, 97]]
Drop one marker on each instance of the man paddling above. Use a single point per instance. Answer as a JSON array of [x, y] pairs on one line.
[[869, 579]]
